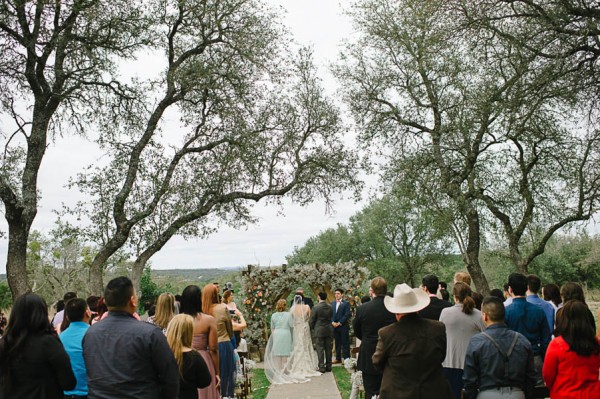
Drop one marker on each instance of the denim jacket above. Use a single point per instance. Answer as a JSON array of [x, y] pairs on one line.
[[485, 367]]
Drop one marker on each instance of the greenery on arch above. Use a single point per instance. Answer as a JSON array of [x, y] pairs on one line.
[[264, 286]]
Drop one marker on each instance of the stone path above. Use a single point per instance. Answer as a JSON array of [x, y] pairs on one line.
[[322, 387]]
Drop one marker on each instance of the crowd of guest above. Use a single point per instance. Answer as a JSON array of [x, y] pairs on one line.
[[100, 348], [414, 343], [510, 344]]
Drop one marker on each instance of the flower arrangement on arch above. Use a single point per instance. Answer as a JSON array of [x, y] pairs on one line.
[[264, 285]]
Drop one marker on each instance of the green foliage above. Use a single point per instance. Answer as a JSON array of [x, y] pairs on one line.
[[330, 246], [58, 262], [5, 297], [398, 237], [570, 258], [150, 289], [567, 258]]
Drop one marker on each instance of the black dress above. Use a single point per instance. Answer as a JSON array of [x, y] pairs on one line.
[[195, 375], [42, 370]]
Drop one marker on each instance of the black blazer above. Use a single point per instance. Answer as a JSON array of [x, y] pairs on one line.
[[320, 320], [370, 317], [434, 309]]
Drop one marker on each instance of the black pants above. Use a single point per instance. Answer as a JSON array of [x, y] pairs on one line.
[[342, 342], [324, 352], [372, 384]]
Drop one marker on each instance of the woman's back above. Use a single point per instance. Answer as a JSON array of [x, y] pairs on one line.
[[569, 375], [460, 327], [41, 370], [223, 321], [203, 323], [281, 320]]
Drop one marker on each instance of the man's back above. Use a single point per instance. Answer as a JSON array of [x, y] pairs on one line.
[[546, 307], [434, 309], [485, 367], [370, 317], [126, 358], [410, 353], [529, 320], [320, 320]]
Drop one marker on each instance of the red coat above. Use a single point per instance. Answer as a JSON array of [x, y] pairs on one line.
[[569, 375]]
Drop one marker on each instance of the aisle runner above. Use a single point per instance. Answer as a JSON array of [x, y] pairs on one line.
[[322, 387]]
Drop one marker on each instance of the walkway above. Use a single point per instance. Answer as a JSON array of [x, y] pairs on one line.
[[322, 387]]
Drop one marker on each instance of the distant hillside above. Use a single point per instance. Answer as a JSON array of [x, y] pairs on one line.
[[200, 275]]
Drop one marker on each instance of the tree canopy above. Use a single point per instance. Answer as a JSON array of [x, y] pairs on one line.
[[490, 121]]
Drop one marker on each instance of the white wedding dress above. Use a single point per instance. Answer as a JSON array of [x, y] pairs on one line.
[[302, 362]]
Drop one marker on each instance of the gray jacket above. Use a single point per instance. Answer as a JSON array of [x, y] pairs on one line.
[[320, 320]]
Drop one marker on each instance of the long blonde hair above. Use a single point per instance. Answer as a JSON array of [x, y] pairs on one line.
[[179, 336], [164, 310]]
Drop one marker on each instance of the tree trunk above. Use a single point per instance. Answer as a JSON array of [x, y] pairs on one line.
[[136, 274], [16, 265], [471, 257], [99, 263]]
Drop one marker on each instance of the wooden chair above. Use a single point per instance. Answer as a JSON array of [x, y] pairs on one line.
[[246, 384]]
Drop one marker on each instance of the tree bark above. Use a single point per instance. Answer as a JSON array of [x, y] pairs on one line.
[[99, 262], [136, 274], [16, 265], [471, 256]]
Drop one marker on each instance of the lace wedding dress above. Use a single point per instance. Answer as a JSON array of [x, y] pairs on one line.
[[302, 360]]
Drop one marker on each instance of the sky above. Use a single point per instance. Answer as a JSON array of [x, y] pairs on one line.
[[318, 23]]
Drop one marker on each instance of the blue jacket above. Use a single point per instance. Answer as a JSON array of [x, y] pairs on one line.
[[342, 315], [546, 307], [529, 320]]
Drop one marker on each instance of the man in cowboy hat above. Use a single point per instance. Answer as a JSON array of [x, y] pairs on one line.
[[410, 352]]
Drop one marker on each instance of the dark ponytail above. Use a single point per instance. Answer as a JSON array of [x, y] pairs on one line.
[[463, 294]]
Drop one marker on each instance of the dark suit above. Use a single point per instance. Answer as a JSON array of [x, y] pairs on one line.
[[306, 301], [410, 353], [370, 317], [320, 323], [341, 333], [434, 309]]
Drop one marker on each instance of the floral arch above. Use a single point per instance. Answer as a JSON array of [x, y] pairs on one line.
[[264, 286]]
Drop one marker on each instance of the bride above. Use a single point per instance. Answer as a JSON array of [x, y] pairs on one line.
[[301, 360]]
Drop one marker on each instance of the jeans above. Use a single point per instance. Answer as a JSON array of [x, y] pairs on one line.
[[502, 393]]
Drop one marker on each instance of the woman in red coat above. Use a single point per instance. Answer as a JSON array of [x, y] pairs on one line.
[[572, 360]]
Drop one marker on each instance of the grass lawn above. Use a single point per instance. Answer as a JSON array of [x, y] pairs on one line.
[[343, 380], [260, 384]]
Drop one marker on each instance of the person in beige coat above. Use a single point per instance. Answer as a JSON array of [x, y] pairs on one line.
[[411, 351]]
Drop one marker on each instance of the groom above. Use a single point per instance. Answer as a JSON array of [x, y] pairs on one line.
[[320, 323], [341, 326]]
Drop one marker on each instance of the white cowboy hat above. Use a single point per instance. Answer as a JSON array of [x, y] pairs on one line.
[[406, 300]]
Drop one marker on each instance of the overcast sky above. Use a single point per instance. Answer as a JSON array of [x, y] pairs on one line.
[[318, 23]]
